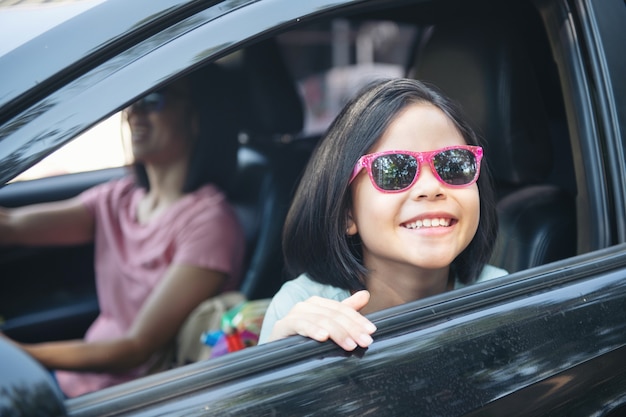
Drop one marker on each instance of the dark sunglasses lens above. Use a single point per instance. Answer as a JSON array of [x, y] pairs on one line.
[[394, 172], [152, 102], [456, 166]]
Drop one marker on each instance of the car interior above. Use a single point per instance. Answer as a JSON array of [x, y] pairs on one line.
[[507, 84], [273, 113], [500, 92], [511, 94]]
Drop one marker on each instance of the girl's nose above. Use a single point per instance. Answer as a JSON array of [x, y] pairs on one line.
[[427, 185]]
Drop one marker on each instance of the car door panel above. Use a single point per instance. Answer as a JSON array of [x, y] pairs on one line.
[[491, 345]]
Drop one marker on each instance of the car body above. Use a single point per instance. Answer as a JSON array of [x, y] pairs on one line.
[[548, 339]]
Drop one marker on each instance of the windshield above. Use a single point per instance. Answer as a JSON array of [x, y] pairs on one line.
[[22, 21]]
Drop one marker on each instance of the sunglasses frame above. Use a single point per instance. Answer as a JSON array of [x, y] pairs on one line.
[[422, 157], [142, 106]]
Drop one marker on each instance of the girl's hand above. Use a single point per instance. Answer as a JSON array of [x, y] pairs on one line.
[[322, 319]]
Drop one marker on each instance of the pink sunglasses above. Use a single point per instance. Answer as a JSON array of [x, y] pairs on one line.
[[396, 171]]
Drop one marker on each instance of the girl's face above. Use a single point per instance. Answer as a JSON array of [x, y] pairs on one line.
[[388, 222]]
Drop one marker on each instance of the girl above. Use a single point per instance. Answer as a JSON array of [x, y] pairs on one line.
[[388, 211]]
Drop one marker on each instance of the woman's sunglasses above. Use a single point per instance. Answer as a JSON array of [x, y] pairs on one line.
[[396, 171], [152, 102]]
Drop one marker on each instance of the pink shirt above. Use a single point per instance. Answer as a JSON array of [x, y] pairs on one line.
[[201, 229]]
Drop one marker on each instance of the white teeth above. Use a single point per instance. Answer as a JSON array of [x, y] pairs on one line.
[[440, 222]]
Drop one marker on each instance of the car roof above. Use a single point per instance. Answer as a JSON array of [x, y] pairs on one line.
[[21, 22], [65, 36]]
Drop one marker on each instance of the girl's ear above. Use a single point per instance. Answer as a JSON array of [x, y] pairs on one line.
[[351, 230]]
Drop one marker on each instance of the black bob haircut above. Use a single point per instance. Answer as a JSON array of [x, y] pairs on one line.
[[213, 157], [314, 238]]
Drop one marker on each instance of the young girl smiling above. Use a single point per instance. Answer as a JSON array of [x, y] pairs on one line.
[[394, 206]]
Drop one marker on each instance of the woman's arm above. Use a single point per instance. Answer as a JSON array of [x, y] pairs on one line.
[[322, 319], [159, 320], [56, 223]]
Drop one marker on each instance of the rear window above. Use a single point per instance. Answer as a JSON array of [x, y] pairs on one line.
[[332, 61]]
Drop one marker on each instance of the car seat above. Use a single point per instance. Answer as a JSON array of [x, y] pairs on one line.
[[271, 112], [484, 66]]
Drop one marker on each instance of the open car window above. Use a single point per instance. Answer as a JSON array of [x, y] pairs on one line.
[[103, 146]]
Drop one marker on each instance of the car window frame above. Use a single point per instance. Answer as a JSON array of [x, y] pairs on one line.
[[606, 64]]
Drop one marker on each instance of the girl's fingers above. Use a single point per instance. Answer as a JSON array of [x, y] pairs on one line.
[[322, 319], [358, 300]]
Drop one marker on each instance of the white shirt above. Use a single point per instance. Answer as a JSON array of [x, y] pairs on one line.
[[303, 287]]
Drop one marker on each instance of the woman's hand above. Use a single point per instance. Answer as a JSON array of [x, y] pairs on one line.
[[66, 222], [322, 319]]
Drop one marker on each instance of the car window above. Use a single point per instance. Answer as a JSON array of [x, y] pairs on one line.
[[106, 145], [332, 61]]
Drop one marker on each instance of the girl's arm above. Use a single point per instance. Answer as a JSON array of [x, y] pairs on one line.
[[56, 223], [322, 319], [182, 289]]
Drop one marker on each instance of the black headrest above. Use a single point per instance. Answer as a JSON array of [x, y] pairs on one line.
[[485, 68], [274, 104]]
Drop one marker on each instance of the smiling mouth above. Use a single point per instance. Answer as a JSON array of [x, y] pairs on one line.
[[419, 224], [139, 130]]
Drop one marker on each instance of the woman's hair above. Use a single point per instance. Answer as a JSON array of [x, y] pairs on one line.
[[213, 156], [315, 239]]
